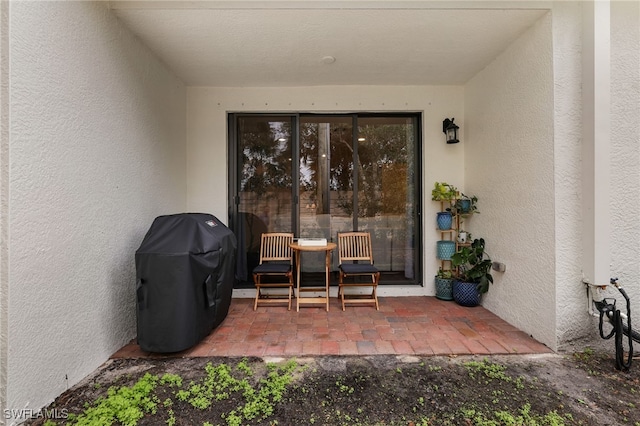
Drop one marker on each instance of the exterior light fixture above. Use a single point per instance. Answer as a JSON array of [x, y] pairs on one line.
[[450, 130]]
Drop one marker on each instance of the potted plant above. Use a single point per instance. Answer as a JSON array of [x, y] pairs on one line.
[[444, 282], [466, 205], [473, 273], [444, 192], [463, 236]]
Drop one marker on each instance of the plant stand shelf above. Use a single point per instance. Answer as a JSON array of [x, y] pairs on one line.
[[448, 244]]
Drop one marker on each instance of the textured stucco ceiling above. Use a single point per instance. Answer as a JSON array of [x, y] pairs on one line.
[[275, 43]]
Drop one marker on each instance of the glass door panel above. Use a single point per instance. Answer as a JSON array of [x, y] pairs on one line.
[[387, 191], [265, 184], [326, 163]]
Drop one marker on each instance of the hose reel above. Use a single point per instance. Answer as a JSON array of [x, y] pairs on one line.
[[607, 308]]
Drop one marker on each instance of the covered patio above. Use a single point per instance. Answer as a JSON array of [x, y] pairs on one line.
[[416, 325], [124, 116]]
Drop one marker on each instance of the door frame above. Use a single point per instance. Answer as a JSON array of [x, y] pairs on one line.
[[234, 162]]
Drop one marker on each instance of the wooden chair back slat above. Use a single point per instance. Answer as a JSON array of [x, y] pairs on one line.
[[354, 246], [274, 246]]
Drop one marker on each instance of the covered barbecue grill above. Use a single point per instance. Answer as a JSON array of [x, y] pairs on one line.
[[185, 270]]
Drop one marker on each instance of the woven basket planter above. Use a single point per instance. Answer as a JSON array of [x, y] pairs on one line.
[[466, 294]]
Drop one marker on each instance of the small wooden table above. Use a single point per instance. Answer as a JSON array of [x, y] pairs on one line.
[[298, 249]]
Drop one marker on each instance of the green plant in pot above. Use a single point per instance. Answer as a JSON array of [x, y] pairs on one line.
[[443, 191], [444, 283], [474, 273], [466, 205], [464, 236]]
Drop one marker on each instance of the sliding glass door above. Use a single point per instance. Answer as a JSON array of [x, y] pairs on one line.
[[387, 199], [317, 175]]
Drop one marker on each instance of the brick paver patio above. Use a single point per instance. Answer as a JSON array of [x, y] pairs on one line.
[[402, 326]]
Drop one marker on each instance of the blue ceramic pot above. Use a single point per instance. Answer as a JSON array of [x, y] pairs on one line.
[[444, 220], [445, 249], [444, 290], [464, 205], [466, 294]]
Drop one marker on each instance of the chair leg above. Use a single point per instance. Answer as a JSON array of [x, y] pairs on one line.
[[256, 280], [376, 279], [341, 289], [374, 296], [290, 289]]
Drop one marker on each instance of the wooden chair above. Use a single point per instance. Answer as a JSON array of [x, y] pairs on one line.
[[356, 261], [276, 260]]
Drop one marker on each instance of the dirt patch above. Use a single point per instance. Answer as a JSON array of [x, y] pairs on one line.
[[582, 388]]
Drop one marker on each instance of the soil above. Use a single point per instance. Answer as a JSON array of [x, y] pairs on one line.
[[581, 388]]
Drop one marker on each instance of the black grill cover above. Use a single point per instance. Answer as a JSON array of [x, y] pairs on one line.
[[185, 273]]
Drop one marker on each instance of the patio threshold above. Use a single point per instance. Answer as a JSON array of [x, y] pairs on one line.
[[415, 325]]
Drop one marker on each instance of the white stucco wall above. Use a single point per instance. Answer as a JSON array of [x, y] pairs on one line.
[[97, 150], [4, 202], [509, 166], [571, 299], [207, 141], [570, 27], [625, 151]]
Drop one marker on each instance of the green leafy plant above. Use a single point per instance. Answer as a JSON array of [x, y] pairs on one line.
[[171, 380], [465, 205], [474, 265], [525, 417], [444, 274], [443, 191], [124, 405]]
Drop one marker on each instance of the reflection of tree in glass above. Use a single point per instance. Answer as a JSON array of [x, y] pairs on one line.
[[383, 173], [340, 153], [308, 156], [382, 167], [266, 157], [383, 159]]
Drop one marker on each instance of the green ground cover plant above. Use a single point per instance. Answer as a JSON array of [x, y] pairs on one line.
[[578, 389]]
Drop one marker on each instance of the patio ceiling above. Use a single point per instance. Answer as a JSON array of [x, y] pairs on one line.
[[245, 43]]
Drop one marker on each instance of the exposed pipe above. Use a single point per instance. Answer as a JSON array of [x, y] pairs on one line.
[[607, 307]]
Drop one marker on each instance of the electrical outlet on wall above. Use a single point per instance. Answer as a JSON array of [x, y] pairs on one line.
[[497, 266]]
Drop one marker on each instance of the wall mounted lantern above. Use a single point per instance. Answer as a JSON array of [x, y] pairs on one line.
[[450, 130]]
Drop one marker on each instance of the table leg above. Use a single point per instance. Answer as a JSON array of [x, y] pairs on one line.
[[316, 289], [298, 280], [326, 273]]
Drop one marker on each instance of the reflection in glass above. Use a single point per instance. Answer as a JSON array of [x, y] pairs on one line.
[[326, 158], [347, 178], [386, 190], [265, 184]]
